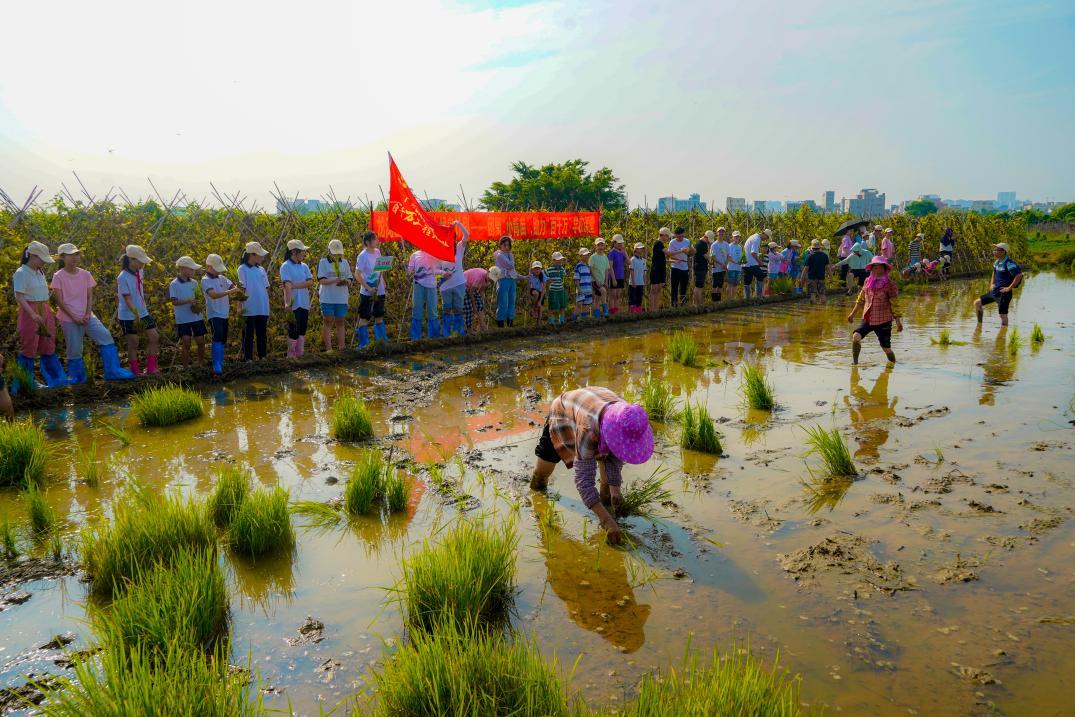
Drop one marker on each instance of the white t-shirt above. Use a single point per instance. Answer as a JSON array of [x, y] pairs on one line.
[[333, 294], [453, 272], [735, 257], [30, 282], [752, 246], [719, 253], [638, 271], [297, 274], [679, 245], [364, 265], [216, 308]]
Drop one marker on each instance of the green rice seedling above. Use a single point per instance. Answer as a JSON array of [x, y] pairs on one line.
[[1015, 342], [466, 574], [24, 454], [366, 484], [939, 453], [8, 542], [56, 547], [457, 670], [117, 432], [184, 601], [945, 338], [317, 514], [782, 285], [166, 405], [16, 375], [833, 450], [757, 392], [683, 348], [825, 492], [658, 400], [1037, 336], [736, 683], [397, 491], [42, 516], [642, 495], [89, 471], [698, 432], [351, 420], [231, 488], [262, 524], [146, 529]]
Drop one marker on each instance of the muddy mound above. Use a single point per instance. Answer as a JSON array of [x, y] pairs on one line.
[[844, 557]]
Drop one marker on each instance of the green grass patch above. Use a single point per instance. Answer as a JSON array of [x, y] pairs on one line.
[[351, 420], [24, 454], [455, 670], [397, 491], [831, 447], [683, 348], [231, 488], [86, 466], [698, 432], [262, 524], [166, 405], [1015, 342], [658, 400], [145, 530], [1037, 336], [366, 485], [42, 516], [757, 392], [467, 573], [642, 496], [781, 285], [9, 543], [944, 340], [117, 432]]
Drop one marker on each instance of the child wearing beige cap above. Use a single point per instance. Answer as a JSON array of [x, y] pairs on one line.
[[218, 290], [185, 294], [557, 289], [297, 279], [335, 277], [617, 258], [636, 290], [539, 283], [255, 307], [134, 316], [36, 323], [583, 286]]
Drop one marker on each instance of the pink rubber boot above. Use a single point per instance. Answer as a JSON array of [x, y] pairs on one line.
[[151, 365], [135, 368]]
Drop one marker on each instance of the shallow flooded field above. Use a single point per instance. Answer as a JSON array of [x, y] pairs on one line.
[[941, 581]]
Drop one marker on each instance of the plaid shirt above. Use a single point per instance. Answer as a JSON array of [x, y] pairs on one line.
[[574, 427], [881, 306]]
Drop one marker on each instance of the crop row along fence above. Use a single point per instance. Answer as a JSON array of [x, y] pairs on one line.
[[170, 226]]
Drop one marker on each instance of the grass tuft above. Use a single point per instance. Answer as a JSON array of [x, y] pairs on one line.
[[89, 471], [262, 524], [698, 430], [1015, 342], [351, 420], [232, 486], [9, 545], [468, 574], [642, 495], [117, 432], [658, 400], [24, 454], [683, 348], [1037, 336], [397, 491], [42, 516], [832, 449], [757, 392], [366, 484], [166, 405]]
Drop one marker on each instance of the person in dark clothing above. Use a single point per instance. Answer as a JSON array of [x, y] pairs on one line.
[[658, 269], [701, 266], [1007, 275], [817, 265]]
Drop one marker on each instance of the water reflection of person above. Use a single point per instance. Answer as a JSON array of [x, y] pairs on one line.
[[871, 414], [998, 368], [592, 581]]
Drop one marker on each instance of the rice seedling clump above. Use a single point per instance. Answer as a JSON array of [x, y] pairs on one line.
[[397, 490], [9, 546], [459, 670], [1037, 336], [351, 420], [683, 348], [366, 484], [145, 530], [467, 574], [831, 447], [756, 390], [657, 399], [262, 524], [166, 405], [42, 516], [640, 497], [24, 454], [698, 430], [89, 472], [231, 488], [1015, 342]]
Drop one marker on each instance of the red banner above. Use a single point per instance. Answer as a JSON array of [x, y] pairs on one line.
[[407, 218], [490, 226]]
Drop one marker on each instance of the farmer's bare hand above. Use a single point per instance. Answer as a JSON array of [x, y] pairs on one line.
[[899, 326], [612, 528], [1005, 290], [850, 318], [616, 495]]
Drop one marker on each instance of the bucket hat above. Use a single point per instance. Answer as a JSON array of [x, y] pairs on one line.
[[626, 431], [879, 260]]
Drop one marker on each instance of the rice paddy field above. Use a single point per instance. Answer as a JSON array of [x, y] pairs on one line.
[[902, 537]]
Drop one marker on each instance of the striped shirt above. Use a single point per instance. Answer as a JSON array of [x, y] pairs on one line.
[[556, 276], [914, 251], [583, 280], [575, 429]]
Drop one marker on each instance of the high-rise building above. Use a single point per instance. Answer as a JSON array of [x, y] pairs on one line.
[[671, 204], [768, 206], [830, 200], [793, 206], [1006, 200], [306, 206], [735, 204], [868, 203]]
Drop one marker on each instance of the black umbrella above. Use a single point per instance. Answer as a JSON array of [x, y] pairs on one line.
[[848, 226]]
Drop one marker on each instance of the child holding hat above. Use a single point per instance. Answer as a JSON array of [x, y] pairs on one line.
[[557, 289], [36, 324], [184, 293], [72, 290], [878, 299], [583, 286], [297, 279], [335, 277], [255, 307], [133, 314], [218, 290]]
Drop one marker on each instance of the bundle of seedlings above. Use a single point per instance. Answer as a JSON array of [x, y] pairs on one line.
[[683, 348], [166, 405], [831, 447], [757, 392], [351, 420], [229, 491], [658, 400], [24, 454], [643, 496], [698, 431], [261, 524]]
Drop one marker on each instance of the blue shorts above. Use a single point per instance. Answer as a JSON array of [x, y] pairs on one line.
[[338, 311], [733, 275]]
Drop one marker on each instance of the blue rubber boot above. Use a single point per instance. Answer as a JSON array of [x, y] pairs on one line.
[[113, 371], [27, 365], [433, 328], [604, 310], [218, 358], [416, 329], [597, 313], [363, 337], [52, 370], [76, 370], [380, 332]]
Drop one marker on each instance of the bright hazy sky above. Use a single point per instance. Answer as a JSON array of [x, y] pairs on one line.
[[758, 99]]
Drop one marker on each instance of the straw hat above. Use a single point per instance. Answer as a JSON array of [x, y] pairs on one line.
[[133, 251], [36, 248], [254, 248], [185, 262], [557, 256], [335, 247], [617, 238], [536, 265], [67, 249], [625, 428], [639, 245], [584, 251], [665, 232], [494, 273], [296, 244], [214, 262]]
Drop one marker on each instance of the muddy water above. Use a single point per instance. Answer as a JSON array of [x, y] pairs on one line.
[[942, 581]]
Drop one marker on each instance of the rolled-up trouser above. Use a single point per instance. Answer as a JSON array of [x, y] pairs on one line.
[[31, 344], [425, 303], [75, 334], [505, 300]]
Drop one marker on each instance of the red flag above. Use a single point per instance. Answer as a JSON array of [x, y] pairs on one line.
[[407, 218]]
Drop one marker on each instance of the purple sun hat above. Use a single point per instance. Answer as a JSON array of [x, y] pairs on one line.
[[879, 260], [626, 431]]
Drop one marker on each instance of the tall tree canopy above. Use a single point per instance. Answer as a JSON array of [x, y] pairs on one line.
[[556, 187], [920, 208]]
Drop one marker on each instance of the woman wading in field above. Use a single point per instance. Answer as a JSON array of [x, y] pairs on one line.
[[592, 429], [879, 312]]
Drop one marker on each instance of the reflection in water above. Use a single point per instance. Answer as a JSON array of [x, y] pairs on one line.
[[259, 582], [825, 492], [591, 578], [998, 368], [870, 416]]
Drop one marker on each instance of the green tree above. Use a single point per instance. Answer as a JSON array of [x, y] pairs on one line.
[[920, 208], [1065, 213], [556, 187]]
